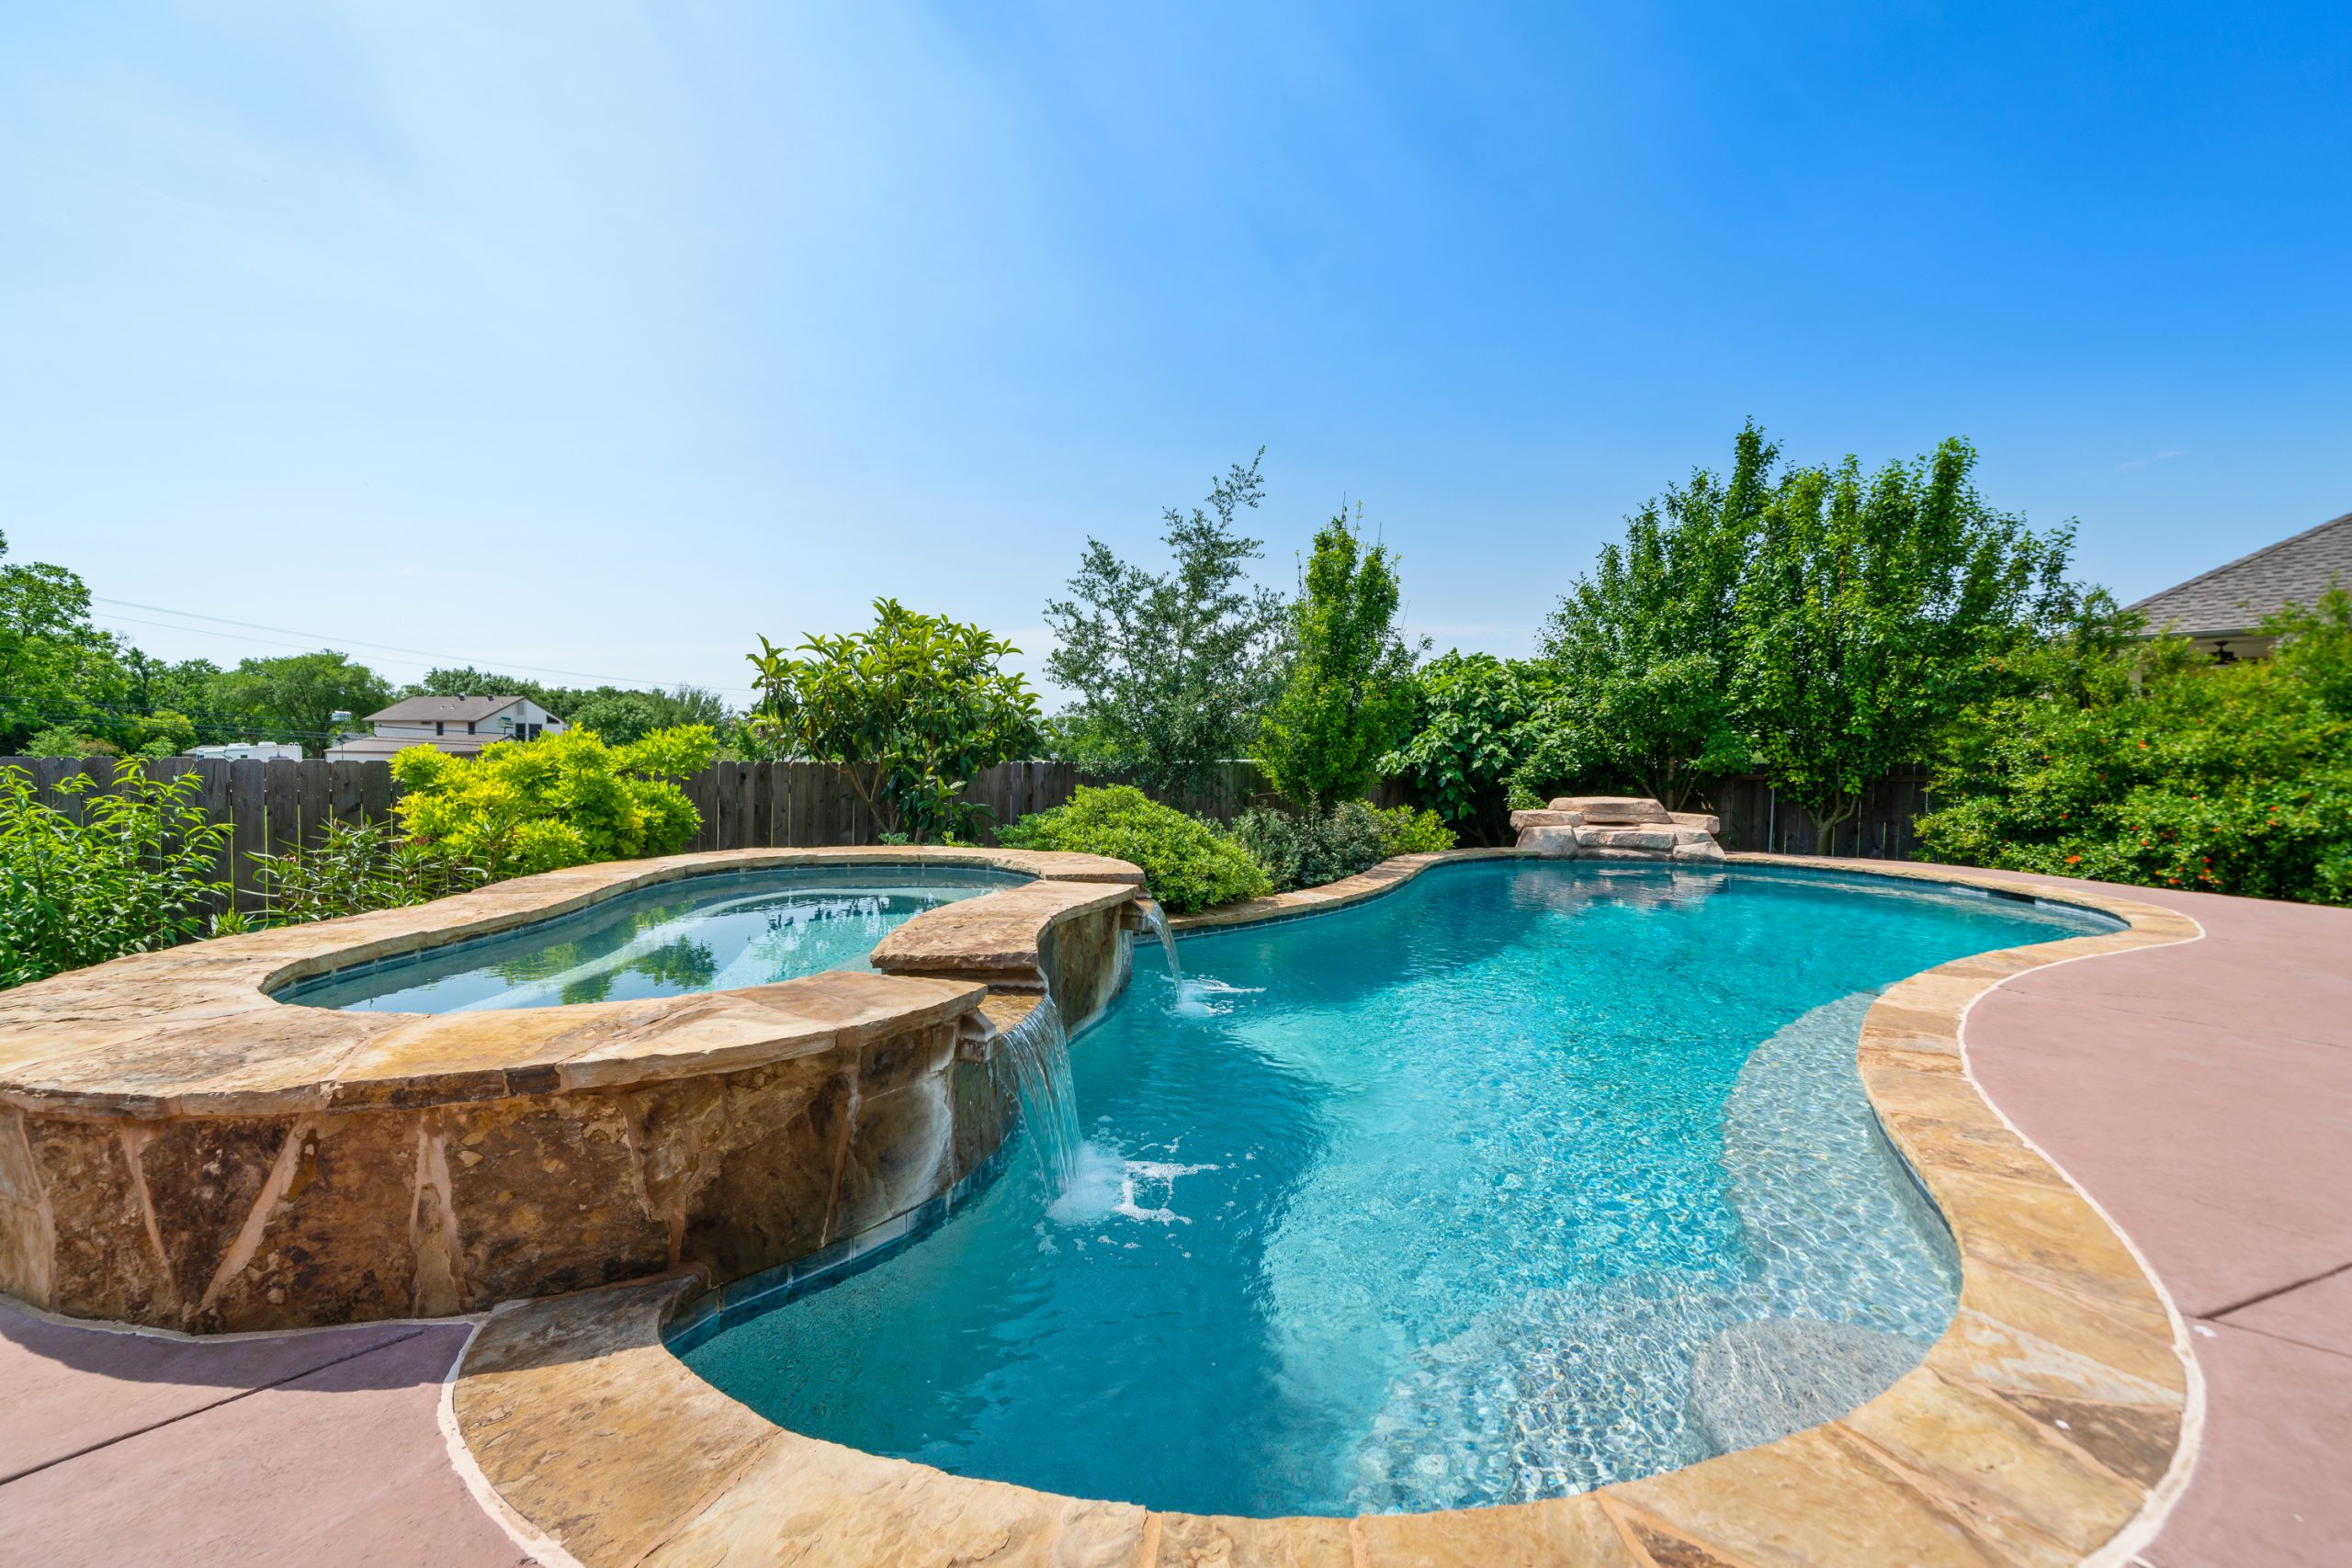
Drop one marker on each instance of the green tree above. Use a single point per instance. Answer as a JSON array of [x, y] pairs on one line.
[[908, 712], [1468, 737], [621, 716], [1642, 653], [1349, 695], [465, 680], [63, 740], [1171, 669], [295, 698], [1872, 613], [50, 657], [178, 701]]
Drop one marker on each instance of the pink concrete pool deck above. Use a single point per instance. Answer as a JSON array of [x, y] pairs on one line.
[[2201, 1094]]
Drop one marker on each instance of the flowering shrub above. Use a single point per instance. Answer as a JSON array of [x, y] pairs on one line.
[[2134, 762]]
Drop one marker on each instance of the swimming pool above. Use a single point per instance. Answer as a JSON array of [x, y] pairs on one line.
[[1433, 1202], [703, 933]]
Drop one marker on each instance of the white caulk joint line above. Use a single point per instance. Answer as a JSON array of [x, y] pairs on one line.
[[527, 1538], [2122, 1548]]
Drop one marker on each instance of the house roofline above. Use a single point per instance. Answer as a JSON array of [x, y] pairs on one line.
[[2233, 565]]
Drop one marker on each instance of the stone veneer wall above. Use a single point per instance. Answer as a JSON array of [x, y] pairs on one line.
[[219, 1223], [214, 1224], [1085, 961]]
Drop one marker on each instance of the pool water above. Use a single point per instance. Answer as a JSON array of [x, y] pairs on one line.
[[1428, 1203], [704, 933]]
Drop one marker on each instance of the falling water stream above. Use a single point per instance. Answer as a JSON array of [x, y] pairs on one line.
[[1037, 1049], [1156, 920]]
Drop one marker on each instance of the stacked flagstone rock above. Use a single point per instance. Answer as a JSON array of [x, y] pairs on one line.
[[1618, 827]]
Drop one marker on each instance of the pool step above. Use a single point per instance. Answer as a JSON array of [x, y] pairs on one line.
[[1757, 1383]]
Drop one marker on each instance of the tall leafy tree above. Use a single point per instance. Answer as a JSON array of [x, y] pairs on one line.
[[908, 712], [295, 698], [1870, 613], [171, 706], [47, 646], [1172, 669], [1348, 697], [1643, 652], [1468, 737], [466, 680], [621, 716]]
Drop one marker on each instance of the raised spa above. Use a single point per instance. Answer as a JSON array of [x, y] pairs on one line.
[[704, 933], [1429, 1203]]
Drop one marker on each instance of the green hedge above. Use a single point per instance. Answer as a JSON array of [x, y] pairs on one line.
[[1187, 864]]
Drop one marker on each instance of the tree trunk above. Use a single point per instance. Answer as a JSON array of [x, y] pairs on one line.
[[1849, 807]]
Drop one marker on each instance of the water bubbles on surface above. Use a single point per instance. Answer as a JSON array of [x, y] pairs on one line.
[[1108, 1183]]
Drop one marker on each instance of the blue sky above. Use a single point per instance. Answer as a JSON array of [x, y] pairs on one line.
[[601, 338]]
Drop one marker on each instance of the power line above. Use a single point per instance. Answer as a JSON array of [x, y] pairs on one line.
[[320, 640]]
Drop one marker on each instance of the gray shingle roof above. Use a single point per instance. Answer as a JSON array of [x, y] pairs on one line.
[[2236, 597], [450, 710]]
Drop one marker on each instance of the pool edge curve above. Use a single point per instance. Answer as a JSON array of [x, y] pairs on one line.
[[2053, 1421]]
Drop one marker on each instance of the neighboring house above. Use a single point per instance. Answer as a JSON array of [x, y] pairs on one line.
[[2220, 610], [460, 725], [249, 752]]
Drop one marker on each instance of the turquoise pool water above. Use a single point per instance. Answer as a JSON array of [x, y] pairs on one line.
[[1429, 1203], [704, 933]]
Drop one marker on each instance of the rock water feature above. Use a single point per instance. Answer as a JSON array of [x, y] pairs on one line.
[[1619, 827], [1036, 1052]]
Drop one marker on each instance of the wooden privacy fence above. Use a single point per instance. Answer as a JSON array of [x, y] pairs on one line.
[[268, 805], [273, 806], [756, 804], [1757, 817]]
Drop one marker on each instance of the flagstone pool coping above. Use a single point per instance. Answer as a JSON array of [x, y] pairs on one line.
[[2052, 1422]]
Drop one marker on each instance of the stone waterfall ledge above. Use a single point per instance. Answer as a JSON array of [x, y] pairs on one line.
[[2046, 1419], [179, 1150], [1618, 827]]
